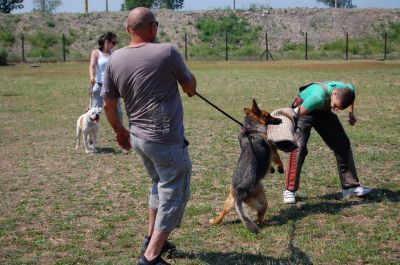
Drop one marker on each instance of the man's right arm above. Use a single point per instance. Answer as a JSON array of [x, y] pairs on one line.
[[189, 87], [121, 133]]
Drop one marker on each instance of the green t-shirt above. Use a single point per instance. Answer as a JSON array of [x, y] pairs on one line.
[[314, 95]]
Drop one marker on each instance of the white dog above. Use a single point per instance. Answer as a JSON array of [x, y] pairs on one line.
[[88, 126]]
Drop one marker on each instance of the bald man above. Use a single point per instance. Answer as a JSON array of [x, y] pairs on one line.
[[146, 76]]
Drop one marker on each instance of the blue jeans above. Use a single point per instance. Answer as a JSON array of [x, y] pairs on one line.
[[97, 100], [170, 169]]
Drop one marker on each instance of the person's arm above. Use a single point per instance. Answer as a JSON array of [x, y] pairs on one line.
[[190, 87], [352, 117], [92, 67], [121, 133], [301, 111]]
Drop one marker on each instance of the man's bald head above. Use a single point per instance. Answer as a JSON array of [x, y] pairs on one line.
[[139, 17]]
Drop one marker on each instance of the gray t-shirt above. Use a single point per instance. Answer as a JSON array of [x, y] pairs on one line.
[[146, 78]]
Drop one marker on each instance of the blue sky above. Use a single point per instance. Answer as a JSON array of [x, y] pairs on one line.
[[77, 6]]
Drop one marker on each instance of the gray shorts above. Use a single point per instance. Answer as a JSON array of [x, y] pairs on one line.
[[170, 169]]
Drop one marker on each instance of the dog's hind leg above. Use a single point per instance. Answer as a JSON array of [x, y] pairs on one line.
[[78, 136], [250, 224], [228, 206], [260, 204]]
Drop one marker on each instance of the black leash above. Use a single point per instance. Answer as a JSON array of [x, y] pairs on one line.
[[220, 110], [247, 133]]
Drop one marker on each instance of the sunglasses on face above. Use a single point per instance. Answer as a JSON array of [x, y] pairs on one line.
[[154, 22]]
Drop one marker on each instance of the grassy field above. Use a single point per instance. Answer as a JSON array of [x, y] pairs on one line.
[[59, 205]]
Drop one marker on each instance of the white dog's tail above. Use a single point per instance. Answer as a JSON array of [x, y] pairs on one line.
[[250, 224]]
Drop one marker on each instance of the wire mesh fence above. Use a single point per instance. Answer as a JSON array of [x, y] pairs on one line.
[[42, 47]]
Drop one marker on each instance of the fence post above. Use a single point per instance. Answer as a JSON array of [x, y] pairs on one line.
[[226, 45], [306, 48], [384, 57], [266, 46], [63, 41], [186, 46], [347, 45], [23, 47]]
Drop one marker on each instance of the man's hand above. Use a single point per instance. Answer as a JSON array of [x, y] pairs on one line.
[[123, 138], [352, 119]]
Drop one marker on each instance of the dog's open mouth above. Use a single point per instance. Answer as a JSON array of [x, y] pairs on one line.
[[96, 118]]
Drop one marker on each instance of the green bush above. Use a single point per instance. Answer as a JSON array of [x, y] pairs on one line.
[[6, 36], [212, 32], [43, 40], [3, 56]]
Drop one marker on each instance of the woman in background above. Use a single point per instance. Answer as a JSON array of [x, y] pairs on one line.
[[98, 63]]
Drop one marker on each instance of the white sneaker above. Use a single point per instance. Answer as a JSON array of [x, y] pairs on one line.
[[358, 192], [289, 197]]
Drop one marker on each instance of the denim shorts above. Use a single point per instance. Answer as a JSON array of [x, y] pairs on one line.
[[170, 169]]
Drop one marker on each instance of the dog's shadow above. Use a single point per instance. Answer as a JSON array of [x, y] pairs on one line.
[[331, 204]]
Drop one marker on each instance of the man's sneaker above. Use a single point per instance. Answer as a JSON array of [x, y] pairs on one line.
[[357, 191], [167, 247], [289, 197], [157, 261]]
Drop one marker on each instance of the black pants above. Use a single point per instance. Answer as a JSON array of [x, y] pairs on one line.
[[328, 126]]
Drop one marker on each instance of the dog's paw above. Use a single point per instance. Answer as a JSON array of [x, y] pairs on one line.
[[89, 151]]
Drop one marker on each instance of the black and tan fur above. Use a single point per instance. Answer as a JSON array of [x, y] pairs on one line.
[[253, 164]]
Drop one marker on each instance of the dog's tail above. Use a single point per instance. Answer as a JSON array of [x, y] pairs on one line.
[[250, 224], [78, 132]]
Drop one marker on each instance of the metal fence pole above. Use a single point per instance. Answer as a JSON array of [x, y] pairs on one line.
[[347, 45], [384, 57], [266, 46], [306, 48], [226, 45], [63, 41], [23, 47], [186, 47]]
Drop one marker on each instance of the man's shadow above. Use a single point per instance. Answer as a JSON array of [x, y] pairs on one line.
[[236, 258]]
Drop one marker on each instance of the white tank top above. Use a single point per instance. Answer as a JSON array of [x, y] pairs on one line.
[[102, 61]]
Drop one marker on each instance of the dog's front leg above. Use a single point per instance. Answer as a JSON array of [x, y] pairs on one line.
[[86, 141], [276, 158]]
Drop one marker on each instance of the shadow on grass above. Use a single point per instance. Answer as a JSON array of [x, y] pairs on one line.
[[109, 150], [334, 204], [235, 258]]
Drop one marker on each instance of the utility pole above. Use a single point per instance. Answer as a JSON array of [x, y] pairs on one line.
[[107, 6], [335, 3], [86, 6], [234, 5]]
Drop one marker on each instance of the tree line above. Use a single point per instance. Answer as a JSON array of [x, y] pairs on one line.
[[49, 6]]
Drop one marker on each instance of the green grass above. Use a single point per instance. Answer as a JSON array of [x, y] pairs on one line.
[[59, 205]]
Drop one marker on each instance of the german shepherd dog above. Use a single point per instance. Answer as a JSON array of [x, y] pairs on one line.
[[253, 164]]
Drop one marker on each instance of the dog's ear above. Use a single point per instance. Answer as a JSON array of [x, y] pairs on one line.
[[255, 108], [246, 111]]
